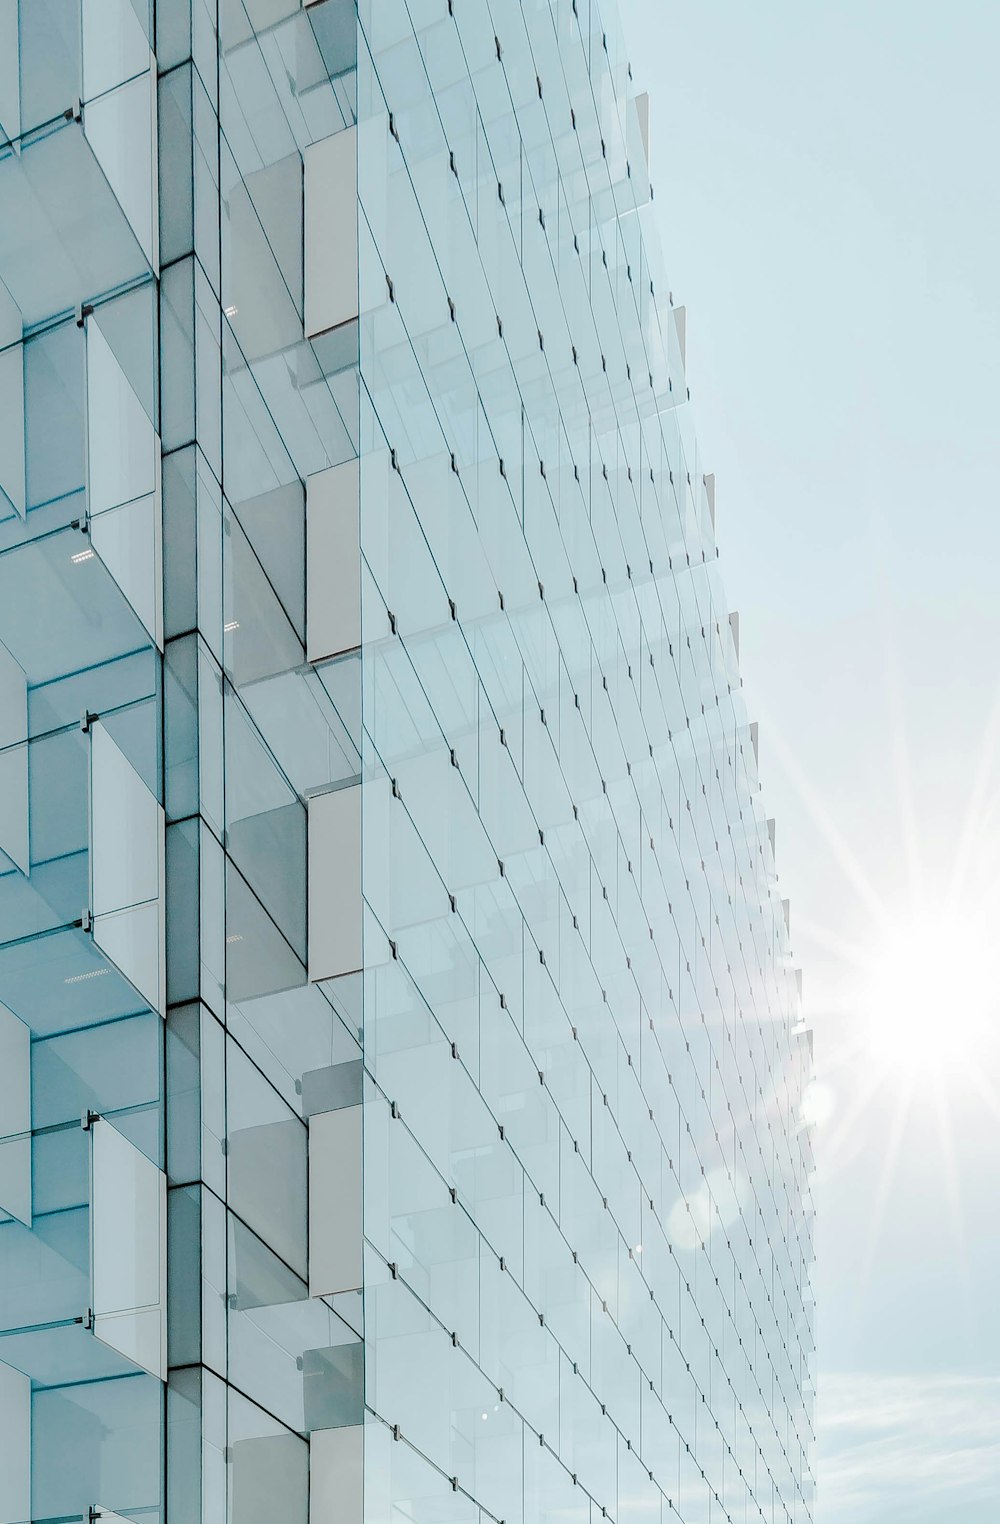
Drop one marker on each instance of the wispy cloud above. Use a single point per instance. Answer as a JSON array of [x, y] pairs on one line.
[[902, 1450]]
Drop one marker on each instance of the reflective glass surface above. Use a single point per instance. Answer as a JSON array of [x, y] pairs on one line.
[[388, 918]]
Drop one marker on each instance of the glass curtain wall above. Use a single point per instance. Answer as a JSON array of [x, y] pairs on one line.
[[400, 1059], [585, 1191]]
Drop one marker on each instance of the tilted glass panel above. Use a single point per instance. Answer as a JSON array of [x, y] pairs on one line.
[[128, 1249], [56, 185], [15, 1117], [99, 1440], [15, 1446], [13, 761], [123, 482], [127, 867]]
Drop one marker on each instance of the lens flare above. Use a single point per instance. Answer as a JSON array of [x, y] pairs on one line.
[[932, 999]]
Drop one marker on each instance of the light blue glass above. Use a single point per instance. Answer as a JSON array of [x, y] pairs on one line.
[[575, 1185]]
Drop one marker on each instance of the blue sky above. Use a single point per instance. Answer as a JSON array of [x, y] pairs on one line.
[[827, 194]]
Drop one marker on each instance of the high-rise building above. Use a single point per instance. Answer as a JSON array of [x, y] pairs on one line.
[[400, 1061]]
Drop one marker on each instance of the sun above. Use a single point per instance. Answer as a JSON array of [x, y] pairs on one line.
[[933, 994]]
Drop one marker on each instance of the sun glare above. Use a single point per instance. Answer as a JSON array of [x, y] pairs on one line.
[[932, 999]]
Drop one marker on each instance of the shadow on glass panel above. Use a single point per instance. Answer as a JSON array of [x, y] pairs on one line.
[[270, 1479], [56, 185], [266, 1154], [97, 1440], [274, 523], [61, 981], [312, 92], [334, 1381], [112, 1067], [62, 609], [274, 1327]]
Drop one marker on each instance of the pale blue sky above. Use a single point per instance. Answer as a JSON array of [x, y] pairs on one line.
[[826, 180]]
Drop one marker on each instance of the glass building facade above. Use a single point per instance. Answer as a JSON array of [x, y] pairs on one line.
[[400, 1053]]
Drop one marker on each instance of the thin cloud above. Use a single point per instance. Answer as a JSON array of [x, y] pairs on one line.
[[898, 1449]]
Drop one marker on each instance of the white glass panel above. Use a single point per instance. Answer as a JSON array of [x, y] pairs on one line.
[[333, 564], [15, 1446], [15, 1117], [335, 1202], [335, 883], [336, 1475], [133, 940], [331, 232], [270, 1480], [128, 1213], [267, 1185], [126, 856]]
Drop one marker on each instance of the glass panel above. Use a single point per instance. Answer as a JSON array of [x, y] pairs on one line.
[[123, 480], [267, 1161], [62, 609], [63, 231], [14, 836], [15, 1117], [54, 414], [128, 1249], [115, 46], [269, 1468], [15, 1446], [12, 416], [119, 128], [101, 1440], [50, 59], [127, 846]]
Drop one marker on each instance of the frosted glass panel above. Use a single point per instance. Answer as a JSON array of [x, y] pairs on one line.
[[126, 861], [15, 1117], [333, 564], [335, 1210], [331, 232], [128, 1249], [15, 1446], [270, 1480], [336, 1476], [335, 883]]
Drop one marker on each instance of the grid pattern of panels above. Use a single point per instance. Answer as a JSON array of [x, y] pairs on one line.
[[81, 824], [345, 440], [251, 416], [586, 1203]]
